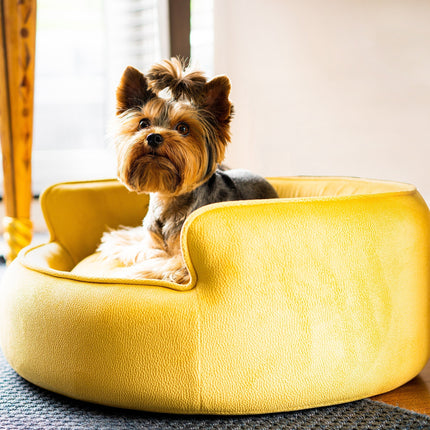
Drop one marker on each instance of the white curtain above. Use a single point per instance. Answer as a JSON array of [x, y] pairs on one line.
[[82, 49]]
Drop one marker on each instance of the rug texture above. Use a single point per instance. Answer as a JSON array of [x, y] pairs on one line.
[[25, 406]]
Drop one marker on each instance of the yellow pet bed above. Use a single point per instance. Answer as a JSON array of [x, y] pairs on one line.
[[317, 298]]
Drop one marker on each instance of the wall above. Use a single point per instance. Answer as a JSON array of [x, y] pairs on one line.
[[328, 88]]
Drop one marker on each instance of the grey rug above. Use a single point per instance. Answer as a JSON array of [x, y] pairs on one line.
[[25, 406]]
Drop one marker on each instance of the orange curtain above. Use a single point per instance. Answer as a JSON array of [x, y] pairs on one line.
[[17, 52]]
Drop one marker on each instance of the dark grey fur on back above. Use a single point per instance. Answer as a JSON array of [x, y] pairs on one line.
[[222, 186], [232, 185]]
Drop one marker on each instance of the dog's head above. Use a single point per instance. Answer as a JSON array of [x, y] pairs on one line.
[[170, 144]]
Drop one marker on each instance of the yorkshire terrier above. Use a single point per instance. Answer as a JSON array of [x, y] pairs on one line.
[[172, 128]]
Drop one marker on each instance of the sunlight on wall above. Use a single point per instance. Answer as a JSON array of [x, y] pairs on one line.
[[328, 88]]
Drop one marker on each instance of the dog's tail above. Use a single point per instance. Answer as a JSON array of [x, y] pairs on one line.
[[181, 82]]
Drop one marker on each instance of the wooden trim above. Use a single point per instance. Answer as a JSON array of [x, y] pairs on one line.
[[180, 27]]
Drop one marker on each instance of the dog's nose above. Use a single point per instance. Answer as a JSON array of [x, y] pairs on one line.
[[154, 140]]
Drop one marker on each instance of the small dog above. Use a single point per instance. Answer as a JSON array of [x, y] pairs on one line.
[[171, 146]]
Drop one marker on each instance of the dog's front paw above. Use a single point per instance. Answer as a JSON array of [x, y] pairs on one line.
[[180, 276], [170, 269]]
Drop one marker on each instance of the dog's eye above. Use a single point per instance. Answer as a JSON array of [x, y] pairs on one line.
[[144, 123], [182, 128]]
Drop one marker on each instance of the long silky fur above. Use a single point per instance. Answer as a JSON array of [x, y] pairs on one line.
[[172, 74], [181, 174]]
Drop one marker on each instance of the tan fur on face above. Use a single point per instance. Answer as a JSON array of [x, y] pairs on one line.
[[179, 165]]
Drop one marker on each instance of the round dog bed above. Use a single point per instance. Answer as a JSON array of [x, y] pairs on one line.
[[317, 298]]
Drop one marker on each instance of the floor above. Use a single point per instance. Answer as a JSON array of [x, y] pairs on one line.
[[415, 395]]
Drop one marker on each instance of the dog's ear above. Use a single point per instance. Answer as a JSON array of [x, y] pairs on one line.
[[132, 91], [215, 98]]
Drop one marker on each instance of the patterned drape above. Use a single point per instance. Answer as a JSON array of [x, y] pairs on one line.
[[17, 51]]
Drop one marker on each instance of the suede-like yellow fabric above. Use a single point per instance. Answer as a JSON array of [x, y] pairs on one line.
[[317, 298]]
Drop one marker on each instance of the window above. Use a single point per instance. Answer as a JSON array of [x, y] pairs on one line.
[[82, 48], [202, 35]]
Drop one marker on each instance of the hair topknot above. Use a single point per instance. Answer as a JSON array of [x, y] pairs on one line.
[[172, 74]]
